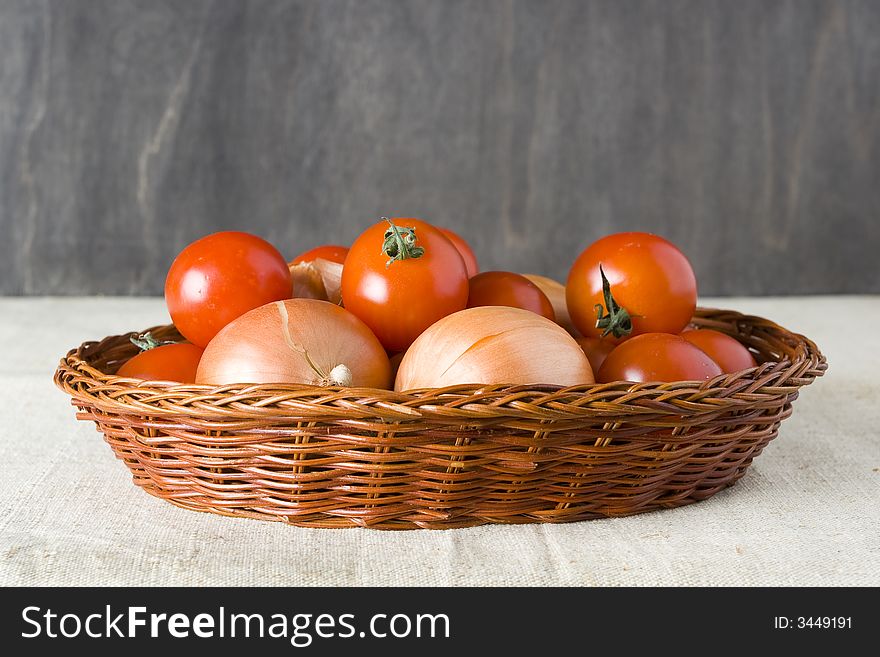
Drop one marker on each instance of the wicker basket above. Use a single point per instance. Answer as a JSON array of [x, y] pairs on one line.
[[443, 458]]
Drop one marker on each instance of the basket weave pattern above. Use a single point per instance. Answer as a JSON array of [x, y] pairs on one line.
[[442, 458]]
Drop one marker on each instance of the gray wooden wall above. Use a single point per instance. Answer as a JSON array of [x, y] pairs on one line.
[[747, 132]]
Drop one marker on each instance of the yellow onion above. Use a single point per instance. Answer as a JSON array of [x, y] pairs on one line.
[[296, 341], [317, 279], [395, 360], [493, 344], [555, 291]]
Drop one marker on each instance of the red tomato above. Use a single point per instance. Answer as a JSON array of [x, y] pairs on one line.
[[331, 252], [729, 353], [219, 278], [170, 362], [401, 276], [597, 350], [657, 357], [467, 253], [650, 287], [504, 288]]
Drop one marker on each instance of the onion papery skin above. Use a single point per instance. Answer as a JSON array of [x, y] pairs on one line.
[[493, 345], [316, 279], [270, 345], [555, 291]]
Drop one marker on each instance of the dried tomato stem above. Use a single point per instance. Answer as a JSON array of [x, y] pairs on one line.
[[616, 321], [146, 341]]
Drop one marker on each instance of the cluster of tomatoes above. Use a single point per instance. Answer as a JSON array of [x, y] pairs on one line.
[[405, 306]]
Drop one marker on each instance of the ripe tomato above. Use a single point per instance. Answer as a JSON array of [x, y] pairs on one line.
[[401, 276], [331, 252], [597, 350], [729, 353], [504, 288], [657, 357], [219, 278], [467, 253], [631, 283], [169, 362]]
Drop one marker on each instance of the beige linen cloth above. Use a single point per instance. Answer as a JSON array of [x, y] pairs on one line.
[[806, 513]]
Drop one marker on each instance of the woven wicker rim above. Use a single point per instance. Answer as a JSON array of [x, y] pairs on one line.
[[87, 373], [447, 457]]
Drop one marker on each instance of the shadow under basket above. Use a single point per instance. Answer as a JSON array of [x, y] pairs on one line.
[[442, 458]]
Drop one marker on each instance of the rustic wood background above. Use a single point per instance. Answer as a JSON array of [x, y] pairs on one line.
[[746, 132]]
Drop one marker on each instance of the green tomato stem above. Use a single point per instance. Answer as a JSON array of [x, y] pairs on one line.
[[146, 341], [400, 243], [616, 320]]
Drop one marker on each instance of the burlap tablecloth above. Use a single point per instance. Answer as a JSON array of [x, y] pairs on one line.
[[806, 513]]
